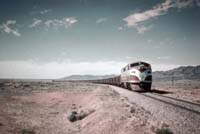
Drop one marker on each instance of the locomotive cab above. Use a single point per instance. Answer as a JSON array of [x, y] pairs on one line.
[[137, 73]]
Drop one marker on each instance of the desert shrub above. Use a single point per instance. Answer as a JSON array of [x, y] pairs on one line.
[[25, 131], [132, 110], [26, 85], [82, 115], [164, 131], [73, 116]]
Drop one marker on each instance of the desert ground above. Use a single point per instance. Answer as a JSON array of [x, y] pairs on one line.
[[188, 90], [53, 107]]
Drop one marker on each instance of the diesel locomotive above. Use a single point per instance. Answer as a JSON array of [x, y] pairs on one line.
[[137, 74]]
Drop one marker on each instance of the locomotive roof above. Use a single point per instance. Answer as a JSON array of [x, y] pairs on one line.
[[137, 62]]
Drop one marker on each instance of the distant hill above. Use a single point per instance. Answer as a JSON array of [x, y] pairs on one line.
[[180, 73], [87, 77]]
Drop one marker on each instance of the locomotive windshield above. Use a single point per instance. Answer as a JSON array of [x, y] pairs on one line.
[[139, 63], [135, 64], [145, 64]]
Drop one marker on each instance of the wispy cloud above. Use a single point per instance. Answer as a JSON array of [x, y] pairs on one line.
[[51, 70], [164, 67], [198, 2], [141, 29], [120, 28], [164, 57], [149, 41], [71, 20], [56, 23], [31, 69], [41, 12], [45, 11], [35, 23], [101, 20], [8, 27], [136, 20]]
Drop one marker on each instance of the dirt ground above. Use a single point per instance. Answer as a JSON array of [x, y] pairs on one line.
[[45, 108], [188, 90]]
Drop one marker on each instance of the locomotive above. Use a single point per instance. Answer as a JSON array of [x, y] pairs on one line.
[[137, 73]]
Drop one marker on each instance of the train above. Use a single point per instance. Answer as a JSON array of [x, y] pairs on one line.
[[137, 73]]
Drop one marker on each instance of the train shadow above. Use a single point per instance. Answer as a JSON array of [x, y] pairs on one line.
[[160, 92], [140, 91], [153, 91]]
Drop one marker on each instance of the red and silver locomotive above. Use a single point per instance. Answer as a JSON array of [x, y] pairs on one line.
[[137, 73]]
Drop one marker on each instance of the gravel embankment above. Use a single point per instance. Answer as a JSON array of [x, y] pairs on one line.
[[181, 121]]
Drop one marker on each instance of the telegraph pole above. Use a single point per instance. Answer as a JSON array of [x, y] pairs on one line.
[[172, 78]]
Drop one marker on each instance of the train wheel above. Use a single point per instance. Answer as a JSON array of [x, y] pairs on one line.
[[124, 85], [128, 86], [148, 87]]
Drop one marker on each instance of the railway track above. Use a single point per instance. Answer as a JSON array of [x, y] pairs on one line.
[[183, 104], [186, 105], [182, 117]]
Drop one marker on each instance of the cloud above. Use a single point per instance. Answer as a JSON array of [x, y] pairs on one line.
[[149, 41], [101, 20], [142, 29], [183, 3], [198, 2], [56, 23], [53, 70], [7, 27], [45, 11], [71, 20], [35, 23], [136, 20], [120, 28], [164, 67], [50, 70], [128, 57], [164, 58], [41, 12]]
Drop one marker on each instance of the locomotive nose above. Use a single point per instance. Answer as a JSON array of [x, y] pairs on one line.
[[144, 74], [142, 68]]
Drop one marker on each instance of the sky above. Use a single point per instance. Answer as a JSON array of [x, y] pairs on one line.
[[48, 39]]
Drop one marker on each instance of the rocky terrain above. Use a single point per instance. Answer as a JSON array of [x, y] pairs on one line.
[[53, 107], [188, 90], [68, 108]]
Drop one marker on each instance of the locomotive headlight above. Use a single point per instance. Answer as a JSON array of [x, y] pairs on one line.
[[142, 76], [133, 72]]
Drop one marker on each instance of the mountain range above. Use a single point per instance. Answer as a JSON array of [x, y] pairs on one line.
[[180, 73]]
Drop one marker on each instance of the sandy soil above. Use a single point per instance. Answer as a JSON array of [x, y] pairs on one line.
[[44, 108], [188, 90]]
